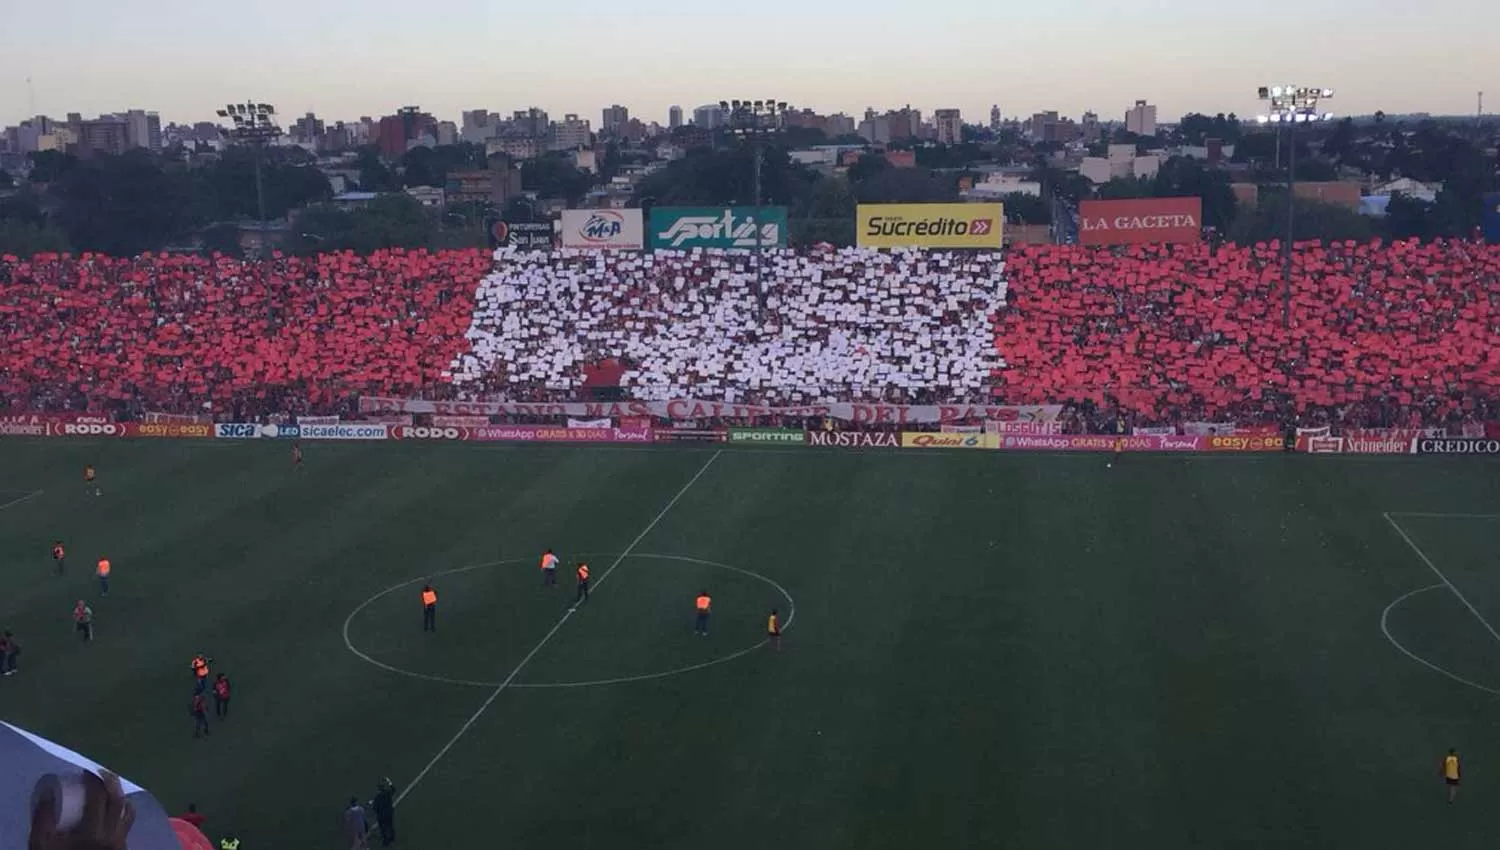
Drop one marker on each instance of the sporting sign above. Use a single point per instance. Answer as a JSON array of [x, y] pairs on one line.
[[1140, 220], [930, 225], [683, 228], [615, 230]]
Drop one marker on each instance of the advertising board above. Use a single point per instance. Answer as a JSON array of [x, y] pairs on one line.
[[174, 430], [854, 439], [613, 230], [85, 426], [684, 228], [689, 435], [1101, 443], [1492, 218], [428, 432], [930, 225], [521, 235], [1140, 220], [1244, 443], [556, 434], [767, 435], [348, 431], [930, 440], [460, 421], [1458, 446], [23, 425], [237, 431], [281, 432]]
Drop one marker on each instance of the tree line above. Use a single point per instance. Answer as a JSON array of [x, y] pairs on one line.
[[141, 201]]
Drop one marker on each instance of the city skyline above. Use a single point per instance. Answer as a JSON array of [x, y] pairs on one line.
[[311, 55]]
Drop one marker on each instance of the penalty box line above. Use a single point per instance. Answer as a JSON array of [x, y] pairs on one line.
[[1452, 588], [506, 682]]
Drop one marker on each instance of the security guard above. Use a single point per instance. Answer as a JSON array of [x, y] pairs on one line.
[[703, 605], [429, 609], [199, 666], [102, 570], [583, 585]]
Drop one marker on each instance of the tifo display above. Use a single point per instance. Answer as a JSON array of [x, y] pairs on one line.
[[1400, 335]]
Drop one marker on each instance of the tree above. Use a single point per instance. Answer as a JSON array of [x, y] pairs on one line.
[[1027, 209], [122, 205], [555, 176], [1314, 220], [1181, 177], [906, 186], [23, 239], [391, 221], [1407, 217], [229, 192], [50, 166], [1122, 188], [374, 176], [868, 165]]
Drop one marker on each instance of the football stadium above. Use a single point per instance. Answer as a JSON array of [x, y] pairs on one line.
[[1057, 546]]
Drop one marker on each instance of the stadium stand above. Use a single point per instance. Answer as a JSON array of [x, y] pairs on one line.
[[1381, 334], [836, 324], [176, 332]]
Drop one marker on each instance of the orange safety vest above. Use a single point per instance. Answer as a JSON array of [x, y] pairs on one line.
[[200, 667], [57, 553], [583, 572], [703, 603], [104, 568], [429, 598], [549, 561]]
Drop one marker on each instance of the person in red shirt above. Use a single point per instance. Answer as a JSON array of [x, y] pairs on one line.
[[221, 697], [200, 716], [192, 816]]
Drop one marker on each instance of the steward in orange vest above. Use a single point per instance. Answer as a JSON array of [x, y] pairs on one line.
[[429, 609]]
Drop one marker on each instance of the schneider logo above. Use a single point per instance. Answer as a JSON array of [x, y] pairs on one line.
[[740, 232], [942, 226]]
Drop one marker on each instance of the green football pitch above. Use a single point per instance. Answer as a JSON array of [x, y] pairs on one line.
[[984, 649]]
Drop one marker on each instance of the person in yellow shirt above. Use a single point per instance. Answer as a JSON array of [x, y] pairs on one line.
[[704, 606], [1451, 773], [429, 609], [773, 629]]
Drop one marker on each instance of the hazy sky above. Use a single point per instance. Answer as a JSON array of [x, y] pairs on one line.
[[368, 57]]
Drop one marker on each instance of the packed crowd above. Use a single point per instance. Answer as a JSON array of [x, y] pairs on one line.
[[1174, 333], [827, 325], [182, 333], [1380, 334]]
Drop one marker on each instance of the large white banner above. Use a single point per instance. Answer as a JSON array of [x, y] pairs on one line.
[[615, 230], [684, 408]]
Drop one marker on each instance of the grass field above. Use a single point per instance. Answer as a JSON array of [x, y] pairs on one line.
[[987, 649]]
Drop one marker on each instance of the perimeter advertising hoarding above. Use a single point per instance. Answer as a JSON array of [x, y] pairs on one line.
[[614, 230], [930, 225], [1458, 446], [1492, 218], [521, 235], [1140, 220], [683, 228], [939, 440]]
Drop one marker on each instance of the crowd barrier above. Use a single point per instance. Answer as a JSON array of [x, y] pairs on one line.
[[994, 436]]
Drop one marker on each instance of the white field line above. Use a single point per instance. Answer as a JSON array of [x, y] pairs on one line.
[[505, 683], [33, 494], [1442, 578], [1443, 516], [1385, 629]]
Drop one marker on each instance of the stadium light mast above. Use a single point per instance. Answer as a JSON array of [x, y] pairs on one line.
[[756, 121], [254, 124], [1289, 106]]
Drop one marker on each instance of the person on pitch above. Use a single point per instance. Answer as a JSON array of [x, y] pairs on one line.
[[583, 585], [703, 606]]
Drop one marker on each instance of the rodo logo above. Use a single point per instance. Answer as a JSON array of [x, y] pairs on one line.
[[85, 429], [423, 432]]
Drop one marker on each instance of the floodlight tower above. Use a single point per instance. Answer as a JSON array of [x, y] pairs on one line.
[[254, 124], [756, 121], [1290, 106]]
